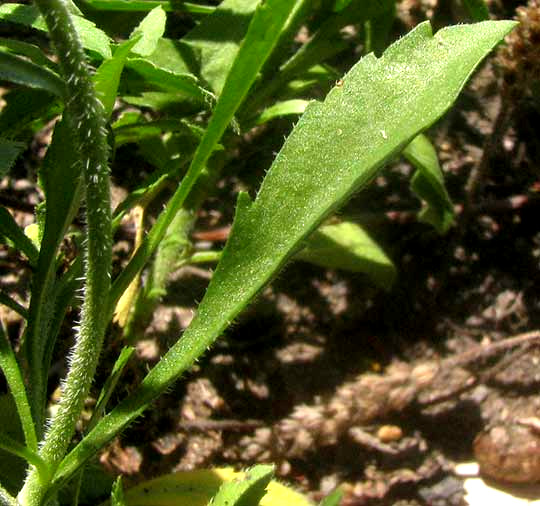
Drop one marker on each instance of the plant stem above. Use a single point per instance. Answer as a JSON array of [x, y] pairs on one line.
[[86, 118]]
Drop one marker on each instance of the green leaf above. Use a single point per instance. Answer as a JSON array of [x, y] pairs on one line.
[[216, 54], [196, 488], [332, 499], [247, 491], [478, 9], [12, 469], [110, 385], [348, 246], [325, 43], [20, 71], [107, 76], [31, 51], [287, 108], [60, 181], [339, 5], [336, 148], [146, 5], [150, 30], [12, 231], [173, 55], [14, 379], [92, 38], [263, 34], [170, 81], [7, 301], [23, 106], [117, 493], [428, 184], [9, 152]]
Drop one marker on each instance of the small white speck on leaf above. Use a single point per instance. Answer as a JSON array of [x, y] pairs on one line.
[[383, 133]]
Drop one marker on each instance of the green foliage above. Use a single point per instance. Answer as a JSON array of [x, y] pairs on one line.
[[215, 487], [246, 491], [348, 246], [192, 99], [428, 184]]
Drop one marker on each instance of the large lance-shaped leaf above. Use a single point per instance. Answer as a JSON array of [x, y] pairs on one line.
[[336, 148]]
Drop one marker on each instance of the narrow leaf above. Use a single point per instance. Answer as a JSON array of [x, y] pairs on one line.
[[110, 385], [9, 228], [348, 246], [15, 448], [336, 148], [428, 184], [14, 379], [149, 31], [20, 71], [7, 301]]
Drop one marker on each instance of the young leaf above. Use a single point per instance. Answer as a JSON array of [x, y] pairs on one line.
[[107, 76], [428, 184], [149, 31], [348, 246], [9, 227], [18, 70], [336, 148]]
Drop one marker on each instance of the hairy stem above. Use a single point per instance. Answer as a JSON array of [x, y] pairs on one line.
[[86, 118]]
